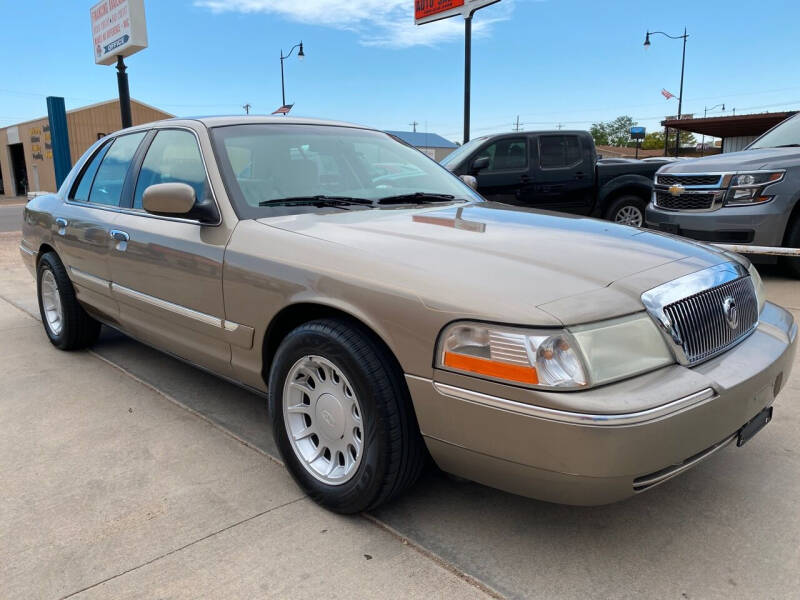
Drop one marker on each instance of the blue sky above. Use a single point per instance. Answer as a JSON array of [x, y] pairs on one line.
[[569, 62]]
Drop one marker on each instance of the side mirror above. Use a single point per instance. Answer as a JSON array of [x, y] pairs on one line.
[[480, 163], [168, 199], [470, 181]]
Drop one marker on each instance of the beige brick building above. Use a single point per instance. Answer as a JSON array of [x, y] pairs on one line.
[[26, 158]]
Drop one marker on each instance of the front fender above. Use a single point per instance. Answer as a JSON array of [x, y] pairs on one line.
[[637, 184]]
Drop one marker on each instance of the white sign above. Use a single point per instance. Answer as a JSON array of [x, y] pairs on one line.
[[118, 29], [426, 11]]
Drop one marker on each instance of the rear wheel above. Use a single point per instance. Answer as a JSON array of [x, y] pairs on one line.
[[792, 265], [627, 210], [342, 416], [67, 325]]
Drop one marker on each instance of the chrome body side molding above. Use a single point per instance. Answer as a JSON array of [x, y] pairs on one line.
[[575, 418]]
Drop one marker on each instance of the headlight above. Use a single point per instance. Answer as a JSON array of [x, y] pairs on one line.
[[761, 295], [748, 188], [554, 359]]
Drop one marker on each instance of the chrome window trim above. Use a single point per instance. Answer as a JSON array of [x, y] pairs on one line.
[[143, 213], [575, 418], [665, 294]]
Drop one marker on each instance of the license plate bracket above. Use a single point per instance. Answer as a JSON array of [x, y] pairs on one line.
[[753, 426]]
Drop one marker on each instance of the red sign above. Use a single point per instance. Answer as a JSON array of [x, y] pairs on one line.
[[428, 8]]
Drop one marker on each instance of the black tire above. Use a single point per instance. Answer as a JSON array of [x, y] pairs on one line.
[[78, 330], [792, 265], [393, 451], [624, 205]]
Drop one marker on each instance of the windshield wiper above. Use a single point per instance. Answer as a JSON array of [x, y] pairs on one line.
[[416, 198], [787, 146], [319, 200]]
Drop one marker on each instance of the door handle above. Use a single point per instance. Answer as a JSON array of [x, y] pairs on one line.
[[525, 179], [61, 224], [579, 175], [121, 237]]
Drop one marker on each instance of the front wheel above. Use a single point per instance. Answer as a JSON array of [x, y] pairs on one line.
[[342, 416], [627, 210]]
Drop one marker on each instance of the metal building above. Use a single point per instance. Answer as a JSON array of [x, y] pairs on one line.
[[26, 157]]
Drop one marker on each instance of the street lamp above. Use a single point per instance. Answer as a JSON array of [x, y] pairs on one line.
[[705, 114], [300, 56], [683, 63]]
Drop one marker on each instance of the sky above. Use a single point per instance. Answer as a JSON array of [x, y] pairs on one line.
[[553, 63]]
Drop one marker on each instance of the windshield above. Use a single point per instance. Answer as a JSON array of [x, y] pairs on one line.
[[784, 134], [452, 160], [266, 163]]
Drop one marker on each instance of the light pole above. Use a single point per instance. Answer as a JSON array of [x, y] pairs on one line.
[[683, 64], [300, 55], [705, 114]]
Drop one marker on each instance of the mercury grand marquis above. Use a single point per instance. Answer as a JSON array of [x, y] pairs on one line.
[[390, 315]]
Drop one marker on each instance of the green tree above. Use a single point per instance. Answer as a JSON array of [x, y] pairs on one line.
[[613, 133], [655, 140]]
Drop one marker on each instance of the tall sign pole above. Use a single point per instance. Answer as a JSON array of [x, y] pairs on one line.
[[426, 11], [119, 30]]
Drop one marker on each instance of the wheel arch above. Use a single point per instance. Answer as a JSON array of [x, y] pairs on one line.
[[635, 185], [793, 217], [296, 314], [43, 249]]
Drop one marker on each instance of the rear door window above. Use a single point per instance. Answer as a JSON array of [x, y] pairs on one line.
[[174, 157], [80, 193], [559, 151], [110, 177]]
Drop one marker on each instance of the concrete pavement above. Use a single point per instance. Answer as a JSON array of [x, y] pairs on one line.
[[11, 217], [729, 528], [112, 491]]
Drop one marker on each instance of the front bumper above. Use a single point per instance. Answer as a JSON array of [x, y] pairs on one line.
[[759, 225], [594, 457]]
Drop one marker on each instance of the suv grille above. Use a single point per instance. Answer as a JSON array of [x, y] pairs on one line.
[[704, 325], [684, 201], [711, 180]]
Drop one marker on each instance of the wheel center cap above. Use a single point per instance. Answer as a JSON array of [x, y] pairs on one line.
[[330, 417]]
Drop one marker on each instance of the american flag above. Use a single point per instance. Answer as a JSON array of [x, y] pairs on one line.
[[666, 94], [284, 110]]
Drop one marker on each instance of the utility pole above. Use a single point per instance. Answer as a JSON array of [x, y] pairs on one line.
[[414, 125], [516, 125], [246, 108], [560, 126]]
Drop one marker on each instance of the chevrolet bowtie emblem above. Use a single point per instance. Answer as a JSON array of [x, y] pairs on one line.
[[676, 190]]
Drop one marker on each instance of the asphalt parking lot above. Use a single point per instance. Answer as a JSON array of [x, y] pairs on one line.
[[179, 498]]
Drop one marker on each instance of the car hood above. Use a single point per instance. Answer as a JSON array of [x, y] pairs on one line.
[[761, 158], [500, 262]]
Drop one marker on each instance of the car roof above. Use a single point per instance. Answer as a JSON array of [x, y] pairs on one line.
[[226, 120]]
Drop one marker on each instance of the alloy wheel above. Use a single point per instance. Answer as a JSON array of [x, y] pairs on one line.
[[51, 302], [629, 215], [323, 420]]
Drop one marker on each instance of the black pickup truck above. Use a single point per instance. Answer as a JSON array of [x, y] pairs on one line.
[[556, 170]]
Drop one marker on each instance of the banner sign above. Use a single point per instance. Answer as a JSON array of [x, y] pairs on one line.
[[118, 29], [426, 11], [637, 133]]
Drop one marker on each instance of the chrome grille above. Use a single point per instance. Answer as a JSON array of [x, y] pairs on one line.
[[701, 323], [684, 201], [710, 180]]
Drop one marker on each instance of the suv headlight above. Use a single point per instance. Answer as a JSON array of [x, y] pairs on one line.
[[575, 358], [748, 188]]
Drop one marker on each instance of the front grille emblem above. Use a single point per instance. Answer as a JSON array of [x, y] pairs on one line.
[[731, 312], [676, 190]]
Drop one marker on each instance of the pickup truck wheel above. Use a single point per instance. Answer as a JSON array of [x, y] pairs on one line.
[[792, 265], [67, 325], [342, 416], [627, 210]]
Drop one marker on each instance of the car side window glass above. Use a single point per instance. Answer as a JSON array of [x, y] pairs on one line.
[[173, 157], [110, 177], [559, 151], [80, 192], [508, 154]]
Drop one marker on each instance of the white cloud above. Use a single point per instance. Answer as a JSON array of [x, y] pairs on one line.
[[388, 23]]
